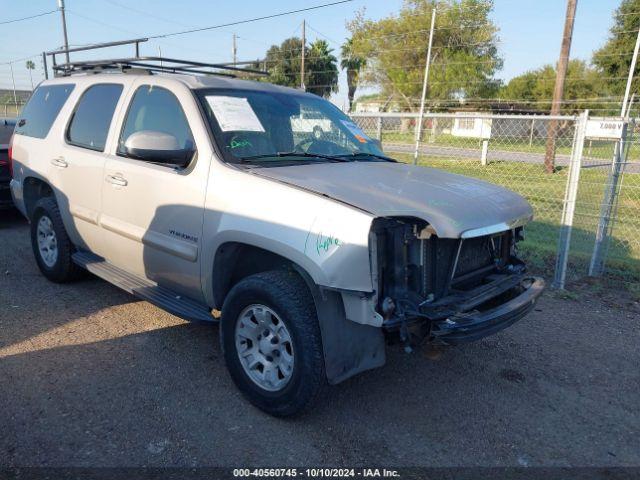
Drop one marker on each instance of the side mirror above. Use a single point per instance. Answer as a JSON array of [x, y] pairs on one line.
[[153, 146]]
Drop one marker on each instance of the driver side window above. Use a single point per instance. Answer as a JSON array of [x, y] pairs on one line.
[[156, 109]]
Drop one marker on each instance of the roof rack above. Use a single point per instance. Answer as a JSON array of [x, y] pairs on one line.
[[149, 64]]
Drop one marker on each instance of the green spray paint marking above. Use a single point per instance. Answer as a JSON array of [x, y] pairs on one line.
[[240, 143], [324, 243]]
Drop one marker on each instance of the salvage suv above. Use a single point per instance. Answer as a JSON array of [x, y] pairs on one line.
[[198, 194]]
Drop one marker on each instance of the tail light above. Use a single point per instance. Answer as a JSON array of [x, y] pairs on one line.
[[10, 156]]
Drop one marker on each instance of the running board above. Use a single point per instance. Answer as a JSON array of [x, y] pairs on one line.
[[144, 289]]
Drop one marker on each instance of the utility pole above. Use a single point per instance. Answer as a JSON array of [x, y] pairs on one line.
[[558, 91], [424, 85], [234, 50], [13, 81], [44, 66], [64, 28], [304, 42]]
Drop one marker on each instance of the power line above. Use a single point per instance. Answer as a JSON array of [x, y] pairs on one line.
[[27, 18], [145, 13], [99, 22], [36, 55], [625, 14], [250, 20], [323, 35]]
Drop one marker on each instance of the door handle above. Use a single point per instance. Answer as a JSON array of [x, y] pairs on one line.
[[117, 180], [59, 162]]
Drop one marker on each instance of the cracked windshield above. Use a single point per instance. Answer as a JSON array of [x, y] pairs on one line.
[[257, 127]]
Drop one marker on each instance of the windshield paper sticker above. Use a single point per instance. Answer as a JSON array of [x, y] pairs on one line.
[[356, 131], [234, 114]]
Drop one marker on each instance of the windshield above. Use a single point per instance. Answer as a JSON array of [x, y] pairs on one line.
[[270, 127]]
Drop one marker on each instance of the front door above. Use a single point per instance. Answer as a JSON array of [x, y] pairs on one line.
[[152, 212]]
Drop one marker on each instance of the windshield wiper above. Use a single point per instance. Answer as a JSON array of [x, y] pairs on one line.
[[365, 154], [293, 154]]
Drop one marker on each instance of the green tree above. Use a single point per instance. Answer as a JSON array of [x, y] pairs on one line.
[[464, 54], [352, 63], [320, 70], [613, 60], [30, 66], [521, 88], [283, 62], [534, 89]]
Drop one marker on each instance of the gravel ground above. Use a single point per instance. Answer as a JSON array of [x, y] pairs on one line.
[[92, 377]]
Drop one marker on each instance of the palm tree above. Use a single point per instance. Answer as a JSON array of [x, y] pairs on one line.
[[321, 70], [30, 66], [352, 63]]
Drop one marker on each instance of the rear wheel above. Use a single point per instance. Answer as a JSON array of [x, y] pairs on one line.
[[271, 342], [50, 242]]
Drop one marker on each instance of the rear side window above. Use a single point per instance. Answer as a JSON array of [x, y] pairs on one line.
[[42, 109], [91, 119], [156, 109]]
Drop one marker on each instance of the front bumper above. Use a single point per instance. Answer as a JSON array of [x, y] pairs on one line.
[[473, 325]]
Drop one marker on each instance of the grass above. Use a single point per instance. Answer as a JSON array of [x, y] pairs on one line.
[[600, 149], [545, 192]]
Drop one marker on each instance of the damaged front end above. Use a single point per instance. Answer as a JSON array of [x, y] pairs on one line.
[[450, 290]]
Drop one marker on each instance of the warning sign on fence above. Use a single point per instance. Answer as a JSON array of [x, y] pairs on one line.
[[604, 128]]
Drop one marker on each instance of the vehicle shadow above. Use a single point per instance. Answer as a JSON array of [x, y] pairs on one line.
[[162, 397], [30, 305], [10, 218]]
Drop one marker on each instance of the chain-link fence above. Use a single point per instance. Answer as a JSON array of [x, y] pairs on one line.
[[10, 109], [617, 244], [513, 151]]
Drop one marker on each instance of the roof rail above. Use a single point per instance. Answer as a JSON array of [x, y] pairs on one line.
[[145, 63]]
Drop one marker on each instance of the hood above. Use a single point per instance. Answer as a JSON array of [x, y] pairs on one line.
[[454, 205]]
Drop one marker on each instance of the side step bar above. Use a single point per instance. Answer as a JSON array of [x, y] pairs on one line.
[[144, 289]]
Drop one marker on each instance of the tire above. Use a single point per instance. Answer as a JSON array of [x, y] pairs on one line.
[[287, 296], [58, 268]]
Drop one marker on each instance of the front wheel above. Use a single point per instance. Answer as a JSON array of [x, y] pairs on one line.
[[271, 342]]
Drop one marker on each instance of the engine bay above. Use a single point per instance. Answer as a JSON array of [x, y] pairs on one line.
[[423, 279]]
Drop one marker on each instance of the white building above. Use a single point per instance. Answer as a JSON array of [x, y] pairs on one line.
[[471, 127]]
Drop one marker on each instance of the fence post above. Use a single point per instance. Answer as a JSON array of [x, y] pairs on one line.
[[418, 134], [569, 204], [533, 122], [609, 200], [434, 125], [485, 150], [379, 128]]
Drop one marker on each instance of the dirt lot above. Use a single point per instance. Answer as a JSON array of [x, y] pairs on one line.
[[92, 377]]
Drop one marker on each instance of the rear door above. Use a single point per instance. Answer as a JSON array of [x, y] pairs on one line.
[[152, 213], [37, 133], [77, 162]]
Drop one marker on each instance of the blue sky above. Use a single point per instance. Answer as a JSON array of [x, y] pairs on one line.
[[530, 30]]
